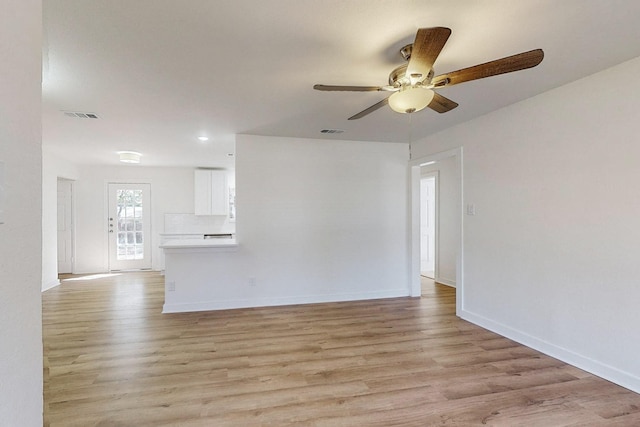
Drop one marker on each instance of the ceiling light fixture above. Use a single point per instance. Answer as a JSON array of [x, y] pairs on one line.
[[129, 156], [203, 138], [410, 99]]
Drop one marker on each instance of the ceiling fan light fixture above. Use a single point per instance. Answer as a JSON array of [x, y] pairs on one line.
[[410, 99]]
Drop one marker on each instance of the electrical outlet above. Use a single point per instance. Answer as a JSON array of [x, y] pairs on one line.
[[171, 286], [252, 281]]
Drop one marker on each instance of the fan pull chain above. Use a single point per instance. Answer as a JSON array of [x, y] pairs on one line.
[[410, 124]]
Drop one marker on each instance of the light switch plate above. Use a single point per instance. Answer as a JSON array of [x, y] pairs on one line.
[[471, 209]]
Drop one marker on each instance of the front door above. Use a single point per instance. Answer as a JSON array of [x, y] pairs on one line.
[[129, 225]]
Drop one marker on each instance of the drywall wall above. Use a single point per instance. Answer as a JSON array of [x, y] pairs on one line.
[[317, 220], [448, 233], [551, 256], [21, 230], [171, 192], [53, 167]]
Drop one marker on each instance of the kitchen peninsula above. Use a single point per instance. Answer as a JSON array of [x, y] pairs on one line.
[[198, 264]]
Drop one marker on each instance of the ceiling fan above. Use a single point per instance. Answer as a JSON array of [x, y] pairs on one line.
[[413, 83]]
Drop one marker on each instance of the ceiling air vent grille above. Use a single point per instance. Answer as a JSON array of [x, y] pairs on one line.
[[80, 115], [331, 131]]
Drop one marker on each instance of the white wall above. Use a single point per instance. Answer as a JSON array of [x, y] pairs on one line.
[[448, 233], [21, 233], [171, 192], [551, 258], [317, 221], [53, 167]]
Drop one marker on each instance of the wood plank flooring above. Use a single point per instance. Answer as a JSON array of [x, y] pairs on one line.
[[112, 359]]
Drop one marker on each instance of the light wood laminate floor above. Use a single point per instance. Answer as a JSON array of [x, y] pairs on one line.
[[112, 359]]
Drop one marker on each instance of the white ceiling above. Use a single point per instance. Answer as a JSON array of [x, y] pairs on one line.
[[159, 73]]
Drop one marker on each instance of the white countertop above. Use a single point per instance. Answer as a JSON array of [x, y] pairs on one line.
[[198, 243]]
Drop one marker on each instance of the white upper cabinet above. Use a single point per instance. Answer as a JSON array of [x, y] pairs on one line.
[[211, 192]]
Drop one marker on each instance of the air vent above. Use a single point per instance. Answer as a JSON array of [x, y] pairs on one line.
[[80, 115], [331, 131]]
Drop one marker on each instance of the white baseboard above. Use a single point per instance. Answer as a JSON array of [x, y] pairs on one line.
[[444, 281], [50, 285], [610, 373], [271, 302]]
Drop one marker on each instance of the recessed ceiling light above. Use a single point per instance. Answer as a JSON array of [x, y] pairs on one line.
[[129, 156], [203, 138]]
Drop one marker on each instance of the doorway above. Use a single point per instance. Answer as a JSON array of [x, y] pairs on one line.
[[65, 226], [449, 247], [428, 200], [129, 226]]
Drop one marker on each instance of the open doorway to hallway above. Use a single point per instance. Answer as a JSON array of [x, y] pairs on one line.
[[440, 221], [446, 217]]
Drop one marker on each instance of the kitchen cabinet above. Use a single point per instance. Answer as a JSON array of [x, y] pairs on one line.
[[211, 192]]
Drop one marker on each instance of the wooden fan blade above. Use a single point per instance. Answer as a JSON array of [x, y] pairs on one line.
[[426, 48], [441, 104], [518, 62], [371, 109], [331, 88]]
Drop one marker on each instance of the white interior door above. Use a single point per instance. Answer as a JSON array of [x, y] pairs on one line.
[[65, 226], [427, 226], [129, 224]]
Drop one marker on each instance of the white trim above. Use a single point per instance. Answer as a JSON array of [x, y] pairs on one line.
[[50, 285], [443, 281], [625, 379], [280, 301], [413, 243]]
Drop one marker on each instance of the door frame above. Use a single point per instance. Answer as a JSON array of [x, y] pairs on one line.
[[414, 224], [105, 240]]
